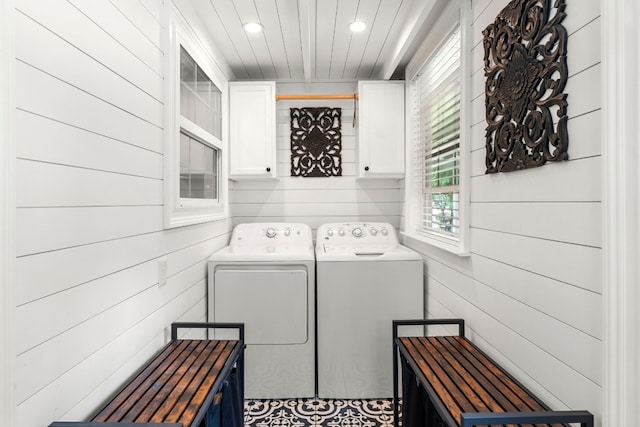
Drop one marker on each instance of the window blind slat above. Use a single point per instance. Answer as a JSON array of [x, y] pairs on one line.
[[443, 169], [435, 100]]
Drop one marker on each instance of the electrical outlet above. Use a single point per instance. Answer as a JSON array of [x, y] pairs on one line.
[[162, 272]]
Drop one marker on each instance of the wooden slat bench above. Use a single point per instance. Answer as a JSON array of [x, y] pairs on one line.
[[178, 386], [457, 385]]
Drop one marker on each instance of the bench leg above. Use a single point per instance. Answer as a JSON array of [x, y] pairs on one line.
[[396, 396], [240, 368]]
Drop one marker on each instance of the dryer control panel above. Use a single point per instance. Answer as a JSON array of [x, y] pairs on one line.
[[271, 233], [361, 233]]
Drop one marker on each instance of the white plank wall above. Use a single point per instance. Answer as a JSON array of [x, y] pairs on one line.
[[531, 289], [89, 230], [315, 201]]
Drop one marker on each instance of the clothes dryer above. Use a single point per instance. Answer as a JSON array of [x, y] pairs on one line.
[[365, 279], [265, 278]]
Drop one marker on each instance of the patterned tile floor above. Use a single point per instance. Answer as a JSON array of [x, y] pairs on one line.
[[318, 413]]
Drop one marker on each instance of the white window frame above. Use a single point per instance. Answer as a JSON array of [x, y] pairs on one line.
[[457, 13], [188, 211]]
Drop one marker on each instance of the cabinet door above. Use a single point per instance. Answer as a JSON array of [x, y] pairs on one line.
[[381, 129], [252, 129]]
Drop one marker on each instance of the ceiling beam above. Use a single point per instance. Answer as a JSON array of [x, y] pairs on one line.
[[415, 29], [307, 15]]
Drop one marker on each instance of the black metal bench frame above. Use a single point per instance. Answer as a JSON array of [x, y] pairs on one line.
[[235, 359], [469, 419]]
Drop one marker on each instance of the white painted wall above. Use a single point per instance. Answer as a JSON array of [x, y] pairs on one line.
[[531, 290], [88, 225], [315, 201]]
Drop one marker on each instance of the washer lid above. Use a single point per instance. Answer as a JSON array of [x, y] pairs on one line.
[[357, 253]]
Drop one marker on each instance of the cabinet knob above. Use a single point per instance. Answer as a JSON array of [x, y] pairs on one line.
[[366, 168], [268, 169]]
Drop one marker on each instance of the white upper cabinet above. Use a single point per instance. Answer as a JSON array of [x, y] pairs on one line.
[[381, 128], [252, 130]]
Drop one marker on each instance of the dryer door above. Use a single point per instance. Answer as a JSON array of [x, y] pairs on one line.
[[271, 303]]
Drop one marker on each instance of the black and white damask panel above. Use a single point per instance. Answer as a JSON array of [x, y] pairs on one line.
[[316, 141], [525, 63], [318, 413]]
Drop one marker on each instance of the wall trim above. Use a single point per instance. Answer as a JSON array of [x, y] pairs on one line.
[[7, 210], [177, 32], [621, 180]]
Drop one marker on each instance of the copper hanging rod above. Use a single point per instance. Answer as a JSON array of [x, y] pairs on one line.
[[312, 96]]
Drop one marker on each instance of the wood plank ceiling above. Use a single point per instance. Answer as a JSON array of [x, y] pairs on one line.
[[310, 41]]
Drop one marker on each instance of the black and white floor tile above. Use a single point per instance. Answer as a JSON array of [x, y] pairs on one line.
[[318, 413]]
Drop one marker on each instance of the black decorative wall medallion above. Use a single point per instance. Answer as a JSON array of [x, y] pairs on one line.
[[316, 141], [525, 63]]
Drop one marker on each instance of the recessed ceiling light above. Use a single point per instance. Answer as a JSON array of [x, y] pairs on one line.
[[253, 27], [357, 26]]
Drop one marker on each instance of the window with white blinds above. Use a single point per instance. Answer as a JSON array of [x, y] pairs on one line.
[[195, 145], [200, 111], [436, 116]]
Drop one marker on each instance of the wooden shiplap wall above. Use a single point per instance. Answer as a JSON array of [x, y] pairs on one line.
[[315, 201], [531, 289], [89, 229], [89, 216]]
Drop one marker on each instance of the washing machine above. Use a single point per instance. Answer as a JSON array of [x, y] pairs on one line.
[[364, 279], [265, 278]]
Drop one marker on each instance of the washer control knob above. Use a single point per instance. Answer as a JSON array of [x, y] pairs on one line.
[[341, 232], [373, 232], [330, 232], [287, 231], [271, 232], [384, 231], [357, 232]]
